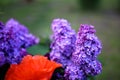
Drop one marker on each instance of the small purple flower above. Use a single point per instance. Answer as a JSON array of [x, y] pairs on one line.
[[14, 39]]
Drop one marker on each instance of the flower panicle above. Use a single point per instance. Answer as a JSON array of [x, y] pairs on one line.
[[14, 39], [88, 47], [63, 40]]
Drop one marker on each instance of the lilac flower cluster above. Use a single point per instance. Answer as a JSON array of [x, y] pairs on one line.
[[78, 54], [14, 39], [63, 41], [88, 47], [74, 72]]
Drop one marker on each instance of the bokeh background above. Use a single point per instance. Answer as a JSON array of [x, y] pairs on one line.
[[37, 15]]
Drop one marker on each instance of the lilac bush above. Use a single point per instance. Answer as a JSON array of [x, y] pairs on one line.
[[14, 39], [77, 53]]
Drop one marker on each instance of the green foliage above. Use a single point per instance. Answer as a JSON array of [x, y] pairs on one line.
[[6, 2], [89, 4], [41, 48], [118, 6], [91, 78]]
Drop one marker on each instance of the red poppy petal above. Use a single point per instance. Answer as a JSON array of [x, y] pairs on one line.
[[32, 68]]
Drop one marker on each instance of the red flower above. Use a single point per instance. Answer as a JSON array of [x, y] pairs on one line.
[[32, 68]]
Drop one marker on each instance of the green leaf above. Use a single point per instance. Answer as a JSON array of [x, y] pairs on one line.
[[41, 48], [91, 78]]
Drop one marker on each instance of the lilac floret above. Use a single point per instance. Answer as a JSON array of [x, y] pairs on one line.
[[63, 40], [14, 39]]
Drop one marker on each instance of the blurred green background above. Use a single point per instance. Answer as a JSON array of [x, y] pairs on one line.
[[37, 15]]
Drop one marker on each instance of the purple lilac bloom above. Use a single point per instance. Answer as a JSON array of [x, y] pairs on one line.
[[63, 41], [88, 47], [2, 58], [77, 55], [21, 32], [14, 39], [93, 68], [74, 72]]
